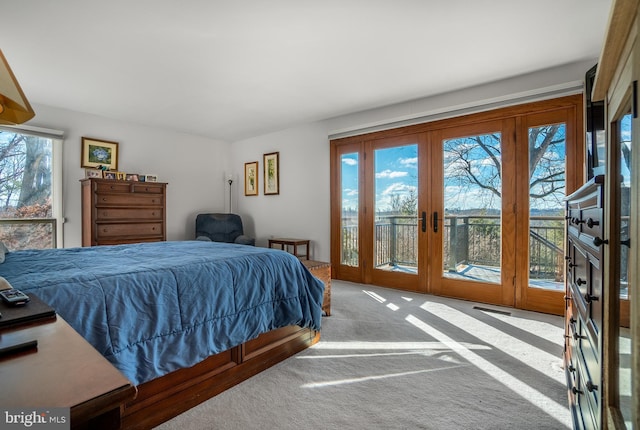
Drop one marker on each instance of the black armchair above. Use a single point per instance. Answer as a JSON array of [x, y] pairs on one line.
[[222, 228]]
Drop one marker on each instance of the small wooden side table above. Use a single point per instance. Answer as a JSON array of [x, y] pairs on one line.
[[322, 271], [294, 243]]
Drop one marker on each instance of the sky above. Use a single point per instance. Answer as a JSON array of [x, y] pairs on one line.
[[396, 174]]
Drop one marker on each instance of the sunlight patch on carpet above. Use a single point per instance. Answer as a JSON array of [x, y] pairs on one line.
[[557, 411], [520, 350], [426, 353], [376, 377], [375, 296], [357, 345]]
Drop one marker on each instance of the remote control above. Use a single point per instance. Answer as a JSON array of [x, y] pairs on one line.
[[14, 297]]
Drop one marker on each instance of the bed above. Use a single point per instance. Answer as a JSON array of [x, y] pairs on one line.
[[181, 320]]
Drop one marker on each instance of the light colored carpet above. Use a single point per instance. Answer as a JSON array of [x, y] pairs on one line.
[[395, 360]]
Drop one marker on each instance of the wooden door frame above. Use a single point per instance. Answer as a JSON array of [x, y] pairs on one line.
[[574, 178], [527, 297]]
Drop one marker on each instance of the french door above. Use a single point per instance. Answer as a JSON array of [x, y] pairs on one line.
[[469, 208], [472, 212]]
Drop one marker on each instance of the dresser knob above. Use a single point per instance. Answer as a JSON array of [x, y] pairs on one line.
[[598, 241], [574, 390], [589, 298], [576, 336], [580, 281], [591, 387], [571, 368], [591, 222]]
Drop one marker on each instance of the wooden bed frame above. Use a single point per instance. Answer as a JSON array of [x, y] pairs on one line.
[[163, 398]]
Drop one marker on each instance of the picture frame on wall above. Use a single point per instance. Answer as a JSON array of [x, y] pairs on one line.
[[99, 153], [271, 164], [251, 178]]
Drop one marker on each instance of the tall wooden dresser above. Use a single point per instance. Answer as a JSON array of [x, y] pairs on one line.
[[584, 298], [117, 212]]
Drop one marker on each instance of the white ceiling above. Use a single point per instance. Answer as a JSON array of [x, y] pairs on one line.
[[240, 68]]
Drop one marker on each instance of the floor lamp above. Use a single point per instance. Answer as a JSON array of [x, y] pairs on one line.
[[230, 181]]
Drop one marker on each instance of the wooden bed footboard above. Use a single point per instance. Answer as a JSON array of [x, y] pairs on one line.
[[163, 398]]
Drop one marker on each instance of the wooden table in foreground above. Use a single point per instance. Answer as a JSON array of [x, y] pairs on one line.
[[64, 371]]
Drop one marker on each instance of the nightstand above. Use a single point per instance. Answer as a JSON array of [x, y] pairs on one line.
[[294, 244]]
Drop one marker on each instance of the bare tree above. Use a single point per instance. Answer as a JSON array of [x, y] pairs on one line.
[[476, 162]]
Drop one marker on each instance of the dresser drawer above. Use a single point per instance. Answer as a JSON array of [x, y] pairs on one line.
[[129, 187], [147, 229], [147, 188], [586, 403], [112, 187], [113, 214], [129, 200]]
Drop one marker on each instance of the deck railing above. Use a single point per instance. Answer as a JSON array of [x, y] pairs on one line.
[[473, 240]]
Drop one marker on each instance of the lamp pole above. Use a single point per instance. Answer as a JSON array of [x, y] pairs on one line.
[[230, 181]]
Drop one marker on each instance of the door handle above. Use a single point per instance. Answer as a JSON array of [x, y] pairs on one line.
[[424, 221], [435, 222]]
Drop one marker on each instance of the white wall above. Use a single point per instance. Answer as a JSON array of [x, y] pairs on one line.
[[196, 167], [193, 166], [302, 208]]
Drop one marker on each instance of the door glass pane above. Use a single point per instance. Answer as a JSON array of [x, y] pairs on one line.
[[472, 208], [350, 210], [396, 209], [624, 340], [547, 146]]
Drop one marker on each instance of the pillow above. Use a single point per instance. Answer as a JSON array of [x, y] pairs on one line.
[[3, 251]]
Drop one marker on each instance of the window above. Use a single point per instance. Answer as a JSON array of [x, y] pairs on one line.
[[30, 189]]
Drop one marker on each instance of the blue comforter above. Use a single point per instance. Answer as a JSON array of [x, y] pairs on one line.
[[156, 307]]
